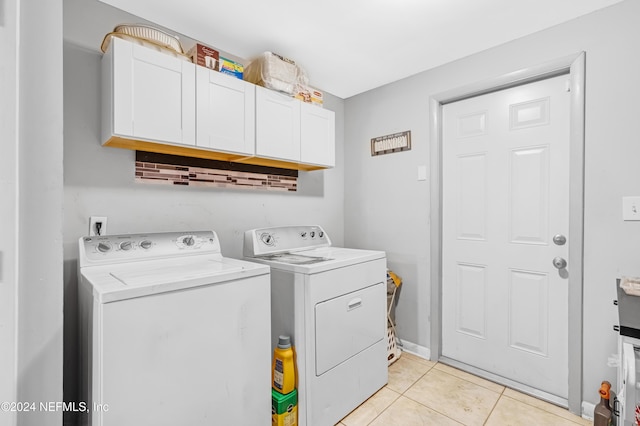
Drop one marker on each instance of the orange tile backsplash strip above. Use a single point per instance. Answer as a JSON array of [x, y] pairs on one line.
[[174, 170]]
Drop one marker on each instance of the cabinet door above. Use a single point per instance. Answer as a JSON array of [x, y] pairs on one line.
[[277, 125], [153, 94], [317, 135], [225, 112]]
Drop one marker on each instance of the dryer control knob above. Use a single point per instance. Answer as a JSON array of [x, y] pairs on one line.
[[127, 245], [104, 247], [146, 244], [267, 239], [189, 241]]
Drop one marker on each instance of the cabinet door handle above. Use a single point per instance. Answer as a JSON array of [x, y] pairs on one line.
[[354, 303]]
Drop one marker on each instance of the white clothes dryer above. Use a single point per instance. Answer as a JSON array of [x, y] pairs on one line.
[[332, 302], [172, 332]]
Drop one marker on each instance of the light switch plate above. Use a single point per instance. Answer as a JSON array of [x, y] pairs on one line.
[[422, 172], [630, 208]]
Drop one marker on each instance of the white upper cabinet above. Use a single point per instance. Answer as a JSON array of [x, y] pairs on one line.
[[225, 108], [157, 102], [277, 125], [147, 95], [317, 136]]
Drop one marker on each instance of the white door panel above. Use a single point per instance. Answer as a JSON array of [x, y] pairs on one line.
[[505, 195], [528, 311], [471, 296], [472, 208], [529, 195]]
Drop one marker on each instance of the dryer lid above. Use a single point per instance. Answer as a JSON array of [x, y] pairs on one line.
[[295, 258]]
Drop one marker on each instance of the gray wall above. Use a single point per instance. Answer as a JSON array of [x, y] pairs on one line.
[[100, 180], [387, 208]]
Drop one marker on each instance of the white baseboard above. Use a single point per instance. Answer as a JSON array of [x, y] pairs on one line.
[[587, 410], [415, 349]]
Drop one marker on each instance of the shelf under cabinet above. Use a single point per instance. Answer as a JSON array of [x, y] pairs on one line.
[[190, 151]]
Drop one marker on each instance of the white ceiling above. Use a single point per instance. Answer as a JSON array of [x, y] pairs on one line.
[[351, 46]]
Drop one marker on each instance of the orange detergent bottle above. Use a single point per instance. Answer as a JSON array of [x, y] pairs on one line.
[[283, 371]]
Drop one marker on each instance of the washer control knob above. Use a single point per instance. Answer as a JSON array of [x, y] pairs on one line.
[[313, 234], [146, 244], [303, 234], [320, 234], [189, 241], [126, 245], [104, 247]]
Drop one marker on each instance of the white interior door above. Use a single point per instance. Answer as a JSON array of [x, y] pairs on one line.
[[505, 197]]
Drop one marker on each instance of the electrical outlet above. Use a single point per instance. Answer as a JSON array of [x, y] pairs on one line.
[[630, 208], [98, 225]]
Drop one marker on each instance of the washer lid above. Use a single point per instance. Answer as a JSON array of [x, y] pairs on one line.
[[132, 276], [124, 281]]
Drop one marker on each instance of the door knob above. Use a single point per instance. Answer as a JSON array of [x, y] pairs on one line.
[[559, 240], [559, 263]]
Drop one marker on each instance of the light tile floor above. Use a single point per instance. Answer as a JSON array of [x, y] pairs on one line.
[[421, 392]]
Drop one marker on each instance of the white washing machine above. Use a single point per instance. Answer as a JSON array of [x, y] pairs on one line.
[[172, 332], [332, 302]]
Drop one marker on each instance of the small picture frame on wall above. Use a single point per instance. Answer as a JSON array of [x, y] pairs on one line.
[[396, 142]]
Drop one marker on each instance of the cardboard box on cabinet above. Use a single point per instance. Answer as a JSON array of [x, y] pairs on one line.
[[227, 66], [205, 56], [309, 95]]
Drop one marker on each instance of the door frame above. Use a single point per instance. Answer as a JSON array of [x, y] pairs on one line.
[[574, 67]]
